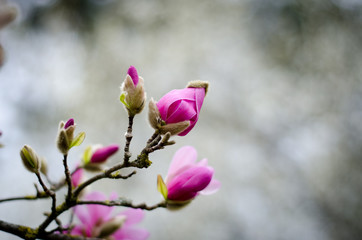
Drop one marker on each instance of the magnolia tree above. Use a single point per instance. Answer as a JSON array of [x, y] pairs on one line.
[[93, 214]]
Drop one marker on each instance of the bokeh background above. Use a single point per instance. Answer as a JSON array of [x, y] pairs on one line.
[[281, 123]]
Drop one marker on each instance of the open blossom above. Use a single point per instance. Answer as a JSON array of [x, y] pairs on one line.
[[98, 220], [187, 178], [179, 109]]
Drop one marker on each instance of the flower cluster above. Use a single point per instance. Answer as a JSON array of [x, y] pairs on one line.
[[176, 113]]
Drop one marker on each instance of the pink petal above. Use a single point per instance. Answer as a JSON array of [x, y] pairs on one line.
[[202, 163], [181, 111], [77, 177], [79, 231], [212, 188], [102, 154], [183, 159], [130, 233], [69, 123], [98, 212], [187, 185], [132, 72], [199, 98], [175, 95], [133, 216], [82, 213]]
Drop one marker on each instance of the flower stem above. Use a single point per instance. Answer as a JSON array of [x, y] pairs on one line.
[[129, 136], [47, 191], [67, 178]]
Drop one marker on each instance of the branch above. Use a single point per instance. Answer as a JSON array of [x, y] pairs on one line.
[[47, 191], [30, 233], [124, 203]]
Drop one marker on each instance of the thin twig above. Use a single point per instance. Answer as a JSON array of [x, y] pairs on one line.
[[47, 191], [67, 178], [124, 203], [129, 136]]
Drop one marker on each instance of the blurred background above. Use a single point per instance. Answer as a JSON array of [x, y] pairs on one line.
[[281, 123]]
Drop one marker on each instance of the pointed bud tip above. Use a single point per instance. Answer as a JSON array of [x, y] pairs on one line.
[[69, 123], [199, 84], [132, 72]]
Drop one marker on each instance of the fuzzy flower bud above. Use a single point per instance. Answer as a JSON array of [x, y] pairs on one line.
[[66, 139], [30, 159], [186, 178], [178, 111], [133, 95]]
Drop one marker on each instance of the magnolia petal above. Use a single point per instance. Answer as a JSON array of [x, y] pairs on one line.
[[182, 160], [181, 111], [132, 72], [187, 184], [131, 233], [199, 98], [97, 212], [102, 154], [133, 216], [82, 213], [212, 188], [175, 95]]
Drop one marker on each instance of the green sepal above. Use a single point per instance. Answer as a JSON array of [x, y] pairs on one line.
[[77, 140], [87, 155], [161, 187], [28, 157], [122, 99]]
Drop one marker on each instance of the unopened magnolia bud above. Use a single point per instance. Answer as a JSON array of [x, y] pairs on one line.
[[108, 228], [66, 139], [133, 95], [30, 159]]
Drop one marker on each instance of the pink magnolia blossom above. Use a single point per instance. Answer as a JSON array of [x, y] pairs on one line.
[[187, 178], [95, 218], [103, 153], [182, 105]]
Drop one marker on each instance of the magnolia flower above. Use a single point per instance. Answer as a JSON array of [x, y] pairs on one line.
[[133, 95], [98, 221], [178, 111], [187, 178]]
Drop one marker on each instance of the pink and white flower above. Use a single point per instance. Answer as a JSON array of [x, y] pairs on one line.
[[187, 178], [98, 220], [182, 105]]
